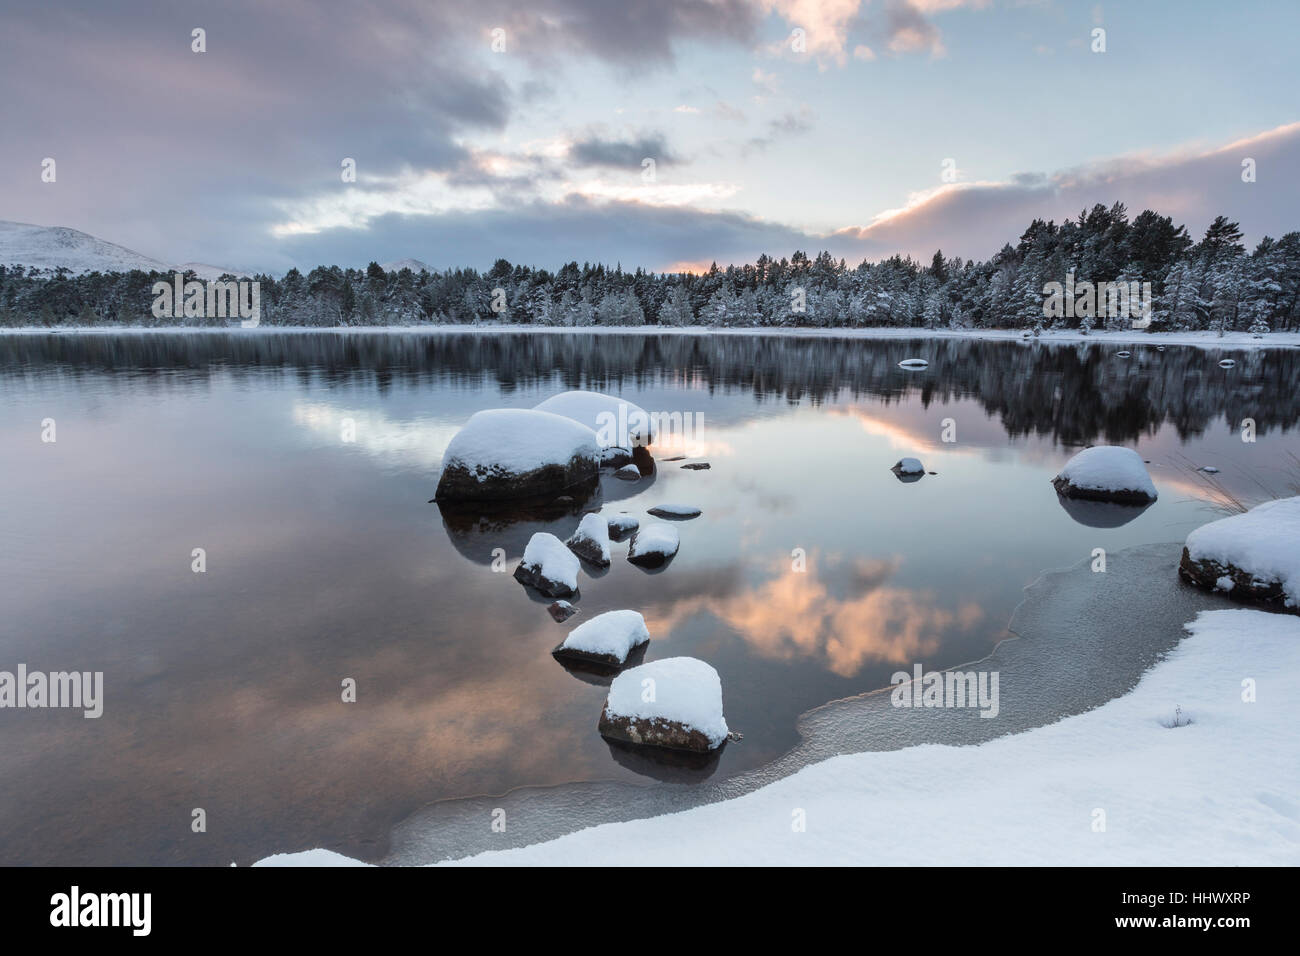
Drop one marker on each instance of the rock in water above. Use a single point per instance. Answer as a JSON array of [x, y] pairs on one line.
[[680, 512], [696, 466], [684, 711], [591, 541], [615, 457], [617, 422], [548, 566], [561, 611], [1254, 557], [1106, 473], [914, 363], [621, 525], [628, 473], [606, 639], [653, 545], [506, 453], [908, 466]]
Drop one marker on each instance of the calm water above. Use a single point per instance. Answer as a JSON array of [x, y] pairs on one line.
[[325, 561]]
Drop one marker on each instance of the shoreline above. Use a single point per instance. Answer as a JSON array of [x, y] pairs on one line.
[[1040, 661], [1200, 339]]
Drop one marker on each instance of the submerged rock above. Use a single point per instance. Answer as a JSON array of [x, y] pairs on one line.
[[607, 639], [508, 453], [696, 466], [684, 711], [548, 566], [1253, 557], [673, 511], [561, 611], [1106, 473], [653, 545], [591, 541]]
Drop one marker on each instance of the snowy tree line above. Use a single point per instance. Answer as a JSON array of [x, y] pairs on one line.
[[1213, 283]]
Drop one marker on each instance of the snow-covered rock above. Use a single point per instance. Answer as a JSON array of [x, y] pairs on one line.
[[591, 541], [914, 363], [653, 545], [1255, 556], [621, 525], [683, 710], [615, 456], [561, 611], [680, 512], [908, 466], [606, 639], [548, 566], [628, 473], [1106, 473], [506, 453], [616, 421]]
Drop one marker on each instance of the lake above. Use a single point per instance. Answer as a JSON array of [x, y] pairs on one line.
[[302, 464]]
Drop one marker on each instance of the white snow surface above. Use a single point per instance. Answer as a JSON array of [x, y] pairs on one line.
[[596, 529], [519, 440], [556, 561], [686, 690], [316, 857], [54, 247], [622, 523], [614, 633], [1109, 468], [678, 510], [593, 410], [910, 466], [1263, 542], [1218, 791], [657, 537], [397, 265]]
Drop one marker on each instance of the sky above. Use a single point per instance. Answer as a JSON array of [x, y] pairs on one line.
[[526, 130]]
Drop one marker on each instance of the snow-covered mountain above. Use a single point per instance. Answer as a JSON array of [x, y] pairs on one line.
[[415, 265], [206, 272], [57, 247], [53, 247]]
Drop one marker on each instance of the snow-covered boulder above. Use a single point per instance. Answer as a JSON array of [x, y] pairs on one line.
[[615, 456], [628, 473], [621, 525], [914, 363], [675, 511], [1254, 557], [606, 639], [548, 566], [617, 422], [507, 453], [674, 703], [591, 541], [1106, 473], [653, 545], [909, 467]]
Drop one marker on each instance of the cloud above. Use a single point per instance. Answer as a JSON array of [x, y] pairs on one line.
[[596, 150], [783, 127]]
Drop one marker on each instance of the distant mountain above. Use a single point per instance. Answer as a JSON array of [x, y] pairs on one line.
[[57, 247], [415, 265]]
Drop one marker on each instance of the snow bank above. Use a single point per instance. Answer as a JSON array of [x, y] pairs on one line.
[[653, 544], [1210, 793], [516, 452], [1107, 473], [591, 541], [685, 701], [617, 422], [549, 566], [1258, 553], [607, 637]]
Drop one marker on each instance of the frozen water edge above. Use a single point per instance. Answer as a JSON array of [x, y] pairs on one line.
[[1203, 339], [1080, 639]]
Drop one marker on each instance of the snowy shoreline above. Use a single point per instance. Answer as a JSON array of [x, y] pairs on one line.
[[1158, 776], [1202, 339]]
